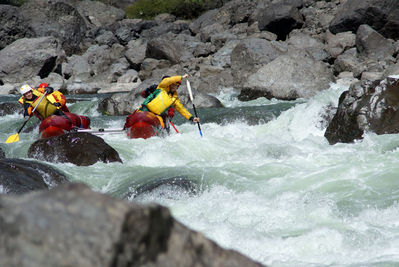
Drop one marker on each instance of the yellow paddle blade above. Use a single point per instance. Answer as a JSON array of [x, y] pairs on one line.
[[13, 138]]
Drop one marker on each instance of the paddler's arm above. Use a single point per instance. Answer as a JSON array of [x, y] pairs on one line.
[[184, 112]]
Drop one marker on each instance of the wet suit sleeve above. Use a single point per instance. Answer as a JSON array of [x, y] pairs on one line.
[[182, 110]]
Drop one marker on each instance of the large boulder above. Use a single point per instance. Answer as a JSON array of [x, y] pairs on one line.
[[76, 226], [97, 64], [371, 44], [12, 25], [29, 57], [55, 18], [382, 15], [370, 106], [98, 14], [18, 176], [288, 77], [250, 55], [167, 47], [81, 149]]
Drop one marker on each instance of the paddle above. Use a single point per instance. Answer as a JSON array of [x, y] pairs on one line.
[[15, 137], [101, 131], [195, 111]]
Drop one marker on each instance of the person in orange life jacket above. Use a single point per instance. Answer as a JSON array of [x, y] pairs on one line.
[[30, 99], [57, 96], [165, 96]]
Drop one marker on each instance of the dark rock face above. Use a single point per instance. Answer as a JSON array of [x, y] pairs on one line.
[[57, 19], [78, 227], [81, 149], [379, 14], [2, 154], [280, 19], [12, 25], [372, 106], [18, 176]]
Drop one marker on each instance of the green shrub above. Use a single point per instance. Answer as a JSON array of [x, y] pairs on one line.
[[186, 9], [14, 2]]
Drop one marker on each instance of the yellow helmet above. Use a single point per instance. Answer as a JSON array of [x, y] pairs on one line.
[[25, 88]]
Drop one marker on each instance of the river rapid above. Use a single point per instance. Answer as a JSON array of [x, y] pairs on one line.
[[268, 184]]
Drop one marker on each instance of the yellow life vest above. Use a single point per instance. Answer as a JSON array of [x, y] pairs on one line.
[[45, 108], [160, 103]]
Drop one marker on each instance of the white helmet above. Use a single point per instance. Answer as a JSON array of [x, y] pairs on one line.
[[25, 88]]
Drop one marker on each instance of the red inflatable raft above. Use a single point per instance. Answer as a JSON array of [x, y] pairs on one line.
[[143, 124], [58, 125]]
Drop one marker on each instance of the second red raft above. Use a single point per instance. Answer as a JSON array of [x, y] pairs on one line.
[[143, 124]]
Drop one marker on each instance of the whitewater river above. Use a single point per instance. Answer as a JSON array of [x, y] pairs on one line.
[[268, 183]]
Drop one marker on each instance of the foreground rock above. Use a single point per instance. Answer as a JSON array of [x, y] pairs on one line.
[[18, 176], [81, 149], [371, 106], [75, 226]]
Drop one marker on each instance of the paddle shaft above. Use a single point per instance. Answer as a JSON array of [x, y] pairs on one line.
[[100, 131], [199, 126], [190, 93]]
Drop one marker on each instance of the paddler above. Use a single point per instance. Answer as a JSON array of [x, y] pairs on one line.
[[165, 96], [30, 99]]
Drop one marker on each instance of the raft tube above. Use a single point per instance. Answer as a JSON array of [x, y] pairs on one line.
[[58, 125], [143, 124]]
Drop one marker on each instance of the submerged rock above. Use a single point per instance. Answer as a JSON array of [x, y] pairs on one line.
[[18, 176], [81, 149], [177, 184]]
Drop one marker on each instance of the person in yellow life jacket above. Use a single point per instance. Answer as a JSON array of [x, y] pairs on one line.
[[30, 99], [165, 96], [56, 97]]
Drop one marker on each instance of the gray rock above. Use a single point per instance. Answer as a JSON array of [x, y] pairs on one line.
[[167, 47], [291, 76], [251, 54], [99, 14], [369, 106], [18, 176], [379, 14], [97, 230], [373, 45], [55, 18], [12, 25], [338, 43], [29, 57]]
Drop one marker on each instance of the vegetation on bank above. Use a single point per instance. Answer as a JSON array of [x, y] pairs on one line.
[[184, 9], [148, 9], [14, 2]]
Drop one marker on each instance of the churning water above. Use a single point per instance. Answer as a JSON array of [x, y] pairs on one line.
[[267, 183]]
